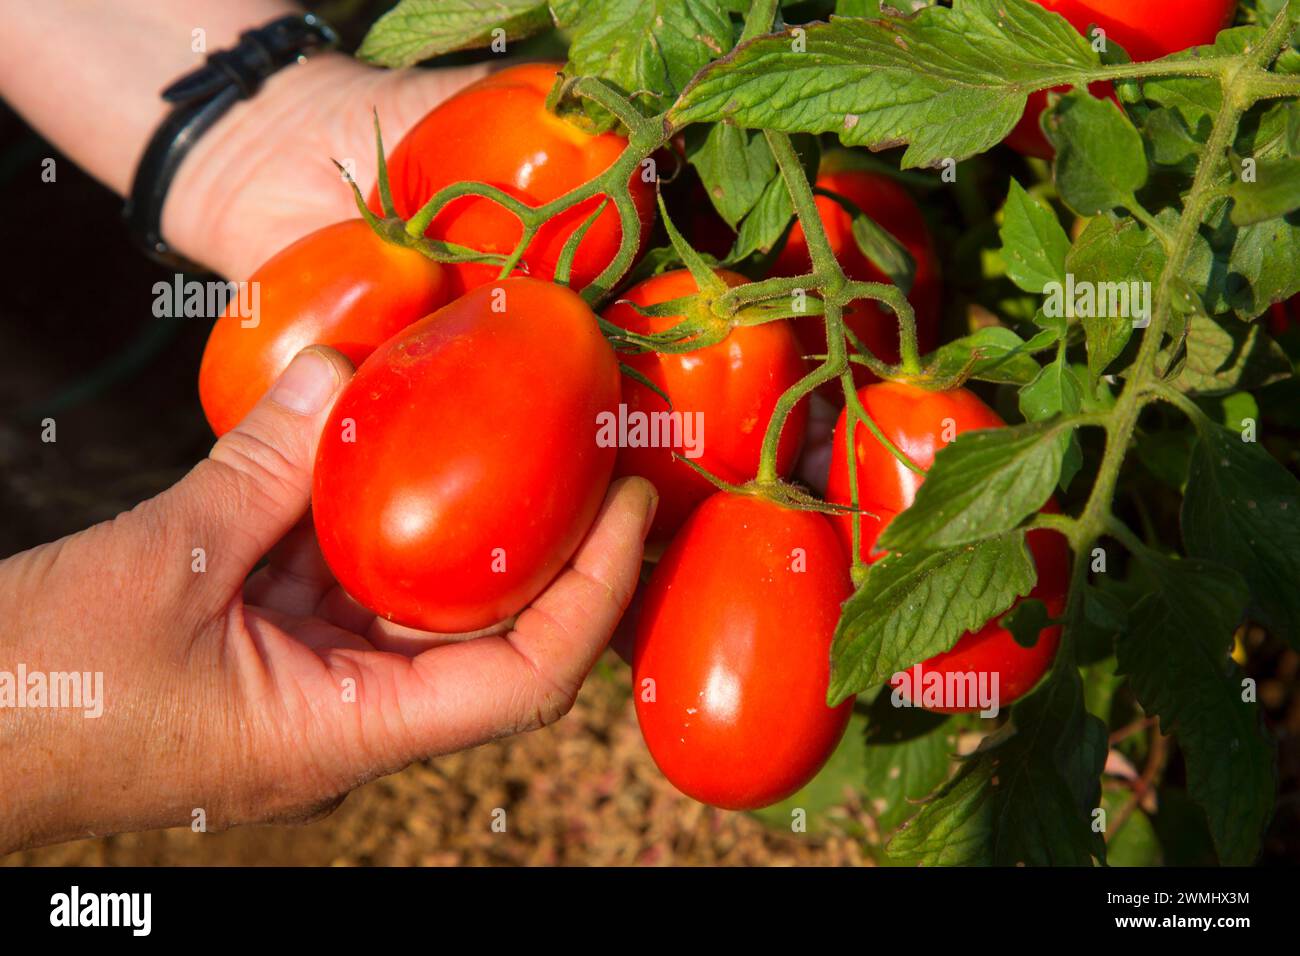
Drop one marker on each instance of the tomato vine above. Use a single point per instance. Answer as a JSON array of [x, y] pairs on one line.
[[959, 117]]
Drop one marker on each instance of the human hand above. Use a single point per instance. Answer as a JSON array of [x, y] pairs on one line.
[[265, 698], [264, 176]]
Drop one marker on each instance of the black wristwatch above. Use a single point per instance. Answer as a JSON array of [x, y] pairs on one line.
[[200, 99]]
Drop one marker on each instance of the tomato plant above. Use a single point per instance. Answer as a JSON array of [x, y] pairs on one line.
[[889, 205], [722, 394], [499, 131], [730, 666], [342, 286], [918, 423], [435, 522], [1113, 306], [1146, 31]]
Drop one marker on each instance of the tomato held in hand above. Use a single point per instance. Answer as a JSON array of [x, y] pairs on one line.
[[340, 286], [894, 210], [1147, 31], [722, 397], [732, 656], [919, 423], [498, 131], [459, 469]]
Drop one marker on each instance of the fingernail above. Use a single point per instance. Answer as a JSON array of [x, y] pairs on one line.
[[650, 510], [306, 384]]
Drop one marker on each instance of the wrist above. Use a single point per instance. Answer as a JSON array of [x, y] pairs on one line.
[[264, 175], [237, 178]]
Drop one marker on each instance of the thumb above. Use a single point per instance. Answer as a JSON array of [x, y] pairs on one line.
[[255, 484]]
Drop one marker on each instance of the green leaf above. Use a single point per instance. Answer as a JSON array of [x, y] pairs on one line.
[[1242, 509], [1254, 266], [1225, 358], [1109, 257], [735, 165], [1034, 245], [651, 48], [1275, 192], [913, 606], [1175, 655], [908, 756], [1196, 100], [417, 30], [1100, 160], [1026, 621], [882, 250], [1184, 834], [1056, 391], [991, 354], [774, 211], [1235, 409], [1104, 615], [948, 82], [1171, 142], [1135, 842], [982, 484], [1166, 454], [1026, 797], [1100, 682]]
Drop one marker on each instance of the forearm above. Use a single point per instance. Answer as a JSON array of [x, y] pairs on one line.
[[88, 74]]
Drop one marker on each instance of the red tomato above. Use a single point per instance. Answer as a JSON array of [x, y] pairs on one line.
[[692, 210], [730, 389], [459, 469], [341, 286], [919, 423], [894, 210], [1282, 315], [732, 656], [498, 131], [1147, 31]]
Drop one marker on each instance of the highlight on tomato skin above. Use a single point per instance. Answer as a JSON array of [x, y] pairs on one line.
[[341, 286], [722, 398], [449, 528], [919, 423], [1146, 30], [732, 657], [499, 131]]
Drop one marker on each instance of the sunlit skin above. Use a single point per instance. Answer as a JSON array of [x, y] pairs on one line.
[[733, 385], [498, 131], [224, 688], [340, 286], [920, 423], [267, 694], [444, 528], [1147, 30], [735, 633]]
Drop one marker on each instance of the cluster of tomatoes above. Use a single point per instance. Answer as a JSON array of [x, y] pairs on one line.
[[460, 470]]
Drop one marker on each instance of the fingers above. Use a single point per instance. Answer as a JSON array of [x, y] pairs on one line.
[[589, 599], [255, 484], [408, 641], [296, 578], [464, 693]]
